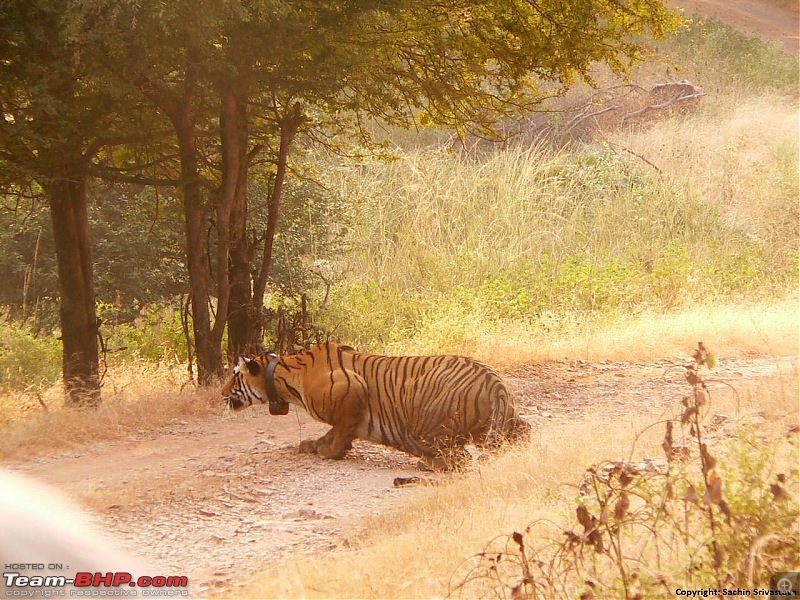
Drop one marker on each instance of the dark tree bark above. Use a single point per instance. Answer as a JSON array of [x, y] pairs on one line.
[[178, 108], [289, 125], [244, 338], [66, 193], [208, 354], [245, 318], [246, 315], [235, 164]]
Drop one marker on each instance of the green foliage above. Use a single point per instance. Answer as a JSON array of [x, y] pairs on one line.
[[28, 272], [521, 234], [33, 362], [513, 294], [28, 362], [138, 250], [309, 234], [763, 499], [155, 335], [739, 61], [373, 316]]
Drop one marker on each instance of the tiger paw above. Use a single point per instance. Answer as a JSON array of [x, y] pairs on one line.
[[307, 447], [333, 452]]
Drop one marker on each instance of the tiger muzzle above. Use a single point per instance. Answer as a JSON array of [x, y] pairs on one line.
[[235, 403]]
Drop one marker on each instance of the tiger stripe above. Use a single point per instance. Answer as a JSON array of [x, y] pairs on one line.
[[428, 406]]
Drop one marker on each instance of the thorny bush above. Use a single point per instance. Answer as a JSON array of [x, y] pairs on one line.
[[697, 519]]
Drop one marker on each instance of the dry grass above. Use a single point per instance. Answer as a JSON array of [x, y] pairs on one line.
[[419, 550], [140, 396], [447, 250], [737, 330], [739, 155], [135, 397]]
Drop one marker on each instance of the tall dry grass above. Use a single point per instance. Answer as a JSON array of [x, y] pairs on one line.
[[738, 156], [700, 202], [445, 248], [688, 207]]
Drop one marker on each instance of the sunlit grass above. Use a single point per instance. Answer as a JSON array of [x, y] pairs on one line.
[[770, 329], [446, 245]]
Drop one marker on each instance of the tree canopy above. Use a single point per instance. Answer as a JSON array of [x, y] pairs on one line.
[[198, 95]]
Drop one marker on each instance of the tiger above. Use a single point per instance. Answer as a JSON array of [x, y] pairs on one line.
[[427, 406]]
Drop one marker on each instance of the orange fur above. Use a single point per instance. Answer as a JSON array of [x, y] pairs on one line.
[[428, 406]]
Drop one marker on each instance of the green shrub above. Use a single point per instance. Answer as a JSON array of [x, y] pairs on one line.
[[155, 335], [727, 58], [28, 362]]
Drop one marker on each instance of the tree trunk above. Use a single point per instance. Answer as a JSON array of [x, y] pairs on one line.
[[209, 354], [245, 319], [246, 309], [244, 322], [235, 164], [68, 209], [177, 105], [289, 125]]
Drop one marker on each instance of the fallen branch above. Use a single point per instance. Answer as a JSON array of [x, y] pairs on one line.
[[662, 106]]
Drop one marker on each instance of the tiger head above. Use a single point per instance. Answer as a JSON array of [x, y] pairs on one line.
[[252, 379]]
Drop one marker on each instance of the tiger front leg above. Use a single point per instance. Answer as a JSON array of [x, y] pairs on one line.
[[310, 446], [326, 443], [345, 412]]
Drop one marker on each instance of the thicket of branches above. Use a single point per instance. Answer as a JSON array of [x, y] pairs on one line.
[[705, 517]]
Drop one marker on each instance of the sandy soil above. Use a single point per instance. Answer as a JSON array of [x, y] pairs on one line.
[[215, 499]]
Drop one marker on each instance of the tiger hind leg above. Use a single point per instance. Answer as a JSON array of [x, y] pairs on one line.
[[514, 431], [453, 458]]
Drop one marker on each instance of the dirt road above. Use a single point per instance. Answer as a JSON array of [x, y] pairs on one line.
[[768, 19], [215, 499]]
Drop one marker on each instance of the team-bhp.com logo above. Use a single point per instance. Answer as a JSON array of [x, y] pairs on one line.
[[158, 585]]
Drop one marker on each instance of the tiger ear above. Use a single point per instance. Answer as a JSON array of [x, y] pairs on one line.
[[253, 366]]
